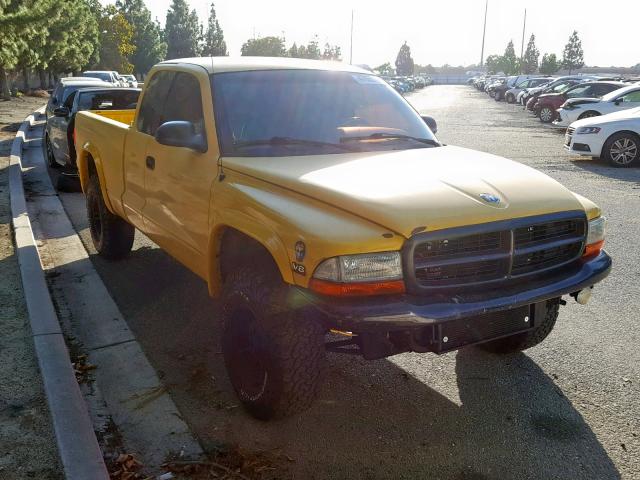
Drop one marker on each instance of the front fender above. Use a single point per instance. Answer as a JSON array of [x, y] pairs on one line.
[[279, 219]]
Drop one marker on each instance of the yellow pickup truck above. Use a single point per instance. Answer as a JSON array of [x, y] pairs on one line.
[[321, 209]]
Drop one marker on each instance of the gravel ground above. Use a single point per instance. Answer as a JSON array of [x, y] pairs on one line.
[[565, 409], [27, 444]]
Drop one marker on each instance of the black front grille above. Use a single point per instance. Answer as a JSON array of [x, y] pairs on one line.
[[469, 258], [471, 244], [540, 233]]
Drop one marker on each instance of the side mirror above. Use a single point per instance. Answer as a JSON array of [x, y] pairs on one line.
[[617, 101], [431, 123], [181, 134], [61, 112]]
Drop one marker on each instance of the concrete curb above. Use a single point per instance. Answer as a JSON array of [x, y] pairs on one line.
[[77, 444]]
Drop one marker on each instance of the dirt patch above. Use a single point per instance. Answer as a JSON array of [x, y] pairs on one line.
[[27, 444]]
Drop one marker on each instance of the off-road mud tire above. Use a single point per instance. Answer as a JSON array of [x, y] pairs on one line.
[[112, 237], [286, 356]]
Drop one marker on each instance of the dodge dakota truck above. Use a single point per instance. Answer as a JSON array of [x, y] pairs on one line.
[[323, 212]]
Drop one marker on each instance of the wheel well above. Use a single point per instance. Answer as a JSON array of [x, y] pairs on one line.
[[597, 114], [236, 248]]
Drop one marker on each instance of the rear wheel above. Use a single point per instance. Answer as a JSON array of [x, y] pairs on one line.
[[112, 237], [498, 96], [274, 356], [522, 341], [510, 98], [546, 114], [48, 153], [622, 149]]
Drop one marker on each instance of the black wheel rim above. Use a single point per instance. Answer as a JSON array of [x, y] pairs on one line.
[[95, 220], [247, 355]]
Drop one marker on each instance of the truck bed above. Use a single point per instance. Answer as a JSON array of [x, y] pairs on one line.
[[102, 135]]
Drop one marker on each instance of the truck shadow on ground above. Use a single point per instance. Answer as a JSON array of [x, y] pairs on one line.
[[486, 417]]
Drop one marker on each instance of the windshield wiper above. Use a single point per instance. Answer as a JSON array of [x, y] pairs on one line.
[[377, 135], [289, 141]]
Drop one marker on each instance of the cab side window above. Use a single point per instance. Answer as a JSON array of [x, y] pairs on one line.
[[185, 101], [150, 116], [631, 97]]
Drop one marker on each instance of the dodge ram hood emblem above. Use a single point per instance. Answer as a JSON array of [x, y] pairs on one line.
[[490, 198]]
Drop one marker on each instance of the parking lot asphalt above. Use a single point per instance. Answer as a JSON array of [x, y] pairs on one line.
[[566, 409]]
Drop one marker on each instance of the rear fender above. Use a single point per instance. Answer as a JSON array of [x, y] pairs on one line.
[[87, 155]]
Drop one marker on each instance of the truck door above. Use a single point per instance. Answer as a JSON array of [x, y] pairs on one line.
[[147, 122], [178, 180]]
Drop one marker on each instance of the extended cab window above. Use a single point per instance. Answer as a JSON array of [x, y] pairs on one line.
[[185, 101], [150, 115], [307, 112]]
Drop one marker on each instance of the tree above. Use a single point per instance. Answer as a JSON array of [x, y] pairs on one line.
[[182, 31], [573, 55], [21, 23], [147, 35], [509, 61], [494, 64], [531, 56], [265, 47], [72, 48], [404, 62], [332, 52], [116, 37], [293, 51], [549, 64], [214, 44], [384, 69]]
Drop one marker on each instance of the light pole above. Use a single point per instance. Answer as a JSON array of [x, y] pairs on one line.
[[484, 31], [351, 43], [524, 27]]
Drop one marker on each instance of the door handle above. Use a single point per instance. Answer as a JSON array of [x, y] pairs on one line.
[[151, 163]]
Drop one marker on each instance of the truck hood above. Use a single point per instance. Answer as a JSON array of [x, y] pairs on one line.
[[425, 188]]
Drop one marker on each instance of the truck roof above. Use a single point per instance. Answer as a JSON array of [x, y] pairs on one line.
[[240, 64]]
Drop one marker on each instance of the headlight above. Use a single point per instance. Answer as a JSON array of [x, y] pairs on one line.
[[595, 236], [585, 130], [366, 274], [596, 230]]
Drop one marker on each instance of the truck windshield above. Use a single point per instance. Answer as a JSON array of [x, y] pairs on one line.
[[309, 112]]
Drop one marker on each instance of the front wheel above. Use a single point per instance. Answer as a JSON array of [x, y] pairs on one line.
[[589, 114], [533, 337], [546, 115], [510, 98], [622, 150], [274, 356]]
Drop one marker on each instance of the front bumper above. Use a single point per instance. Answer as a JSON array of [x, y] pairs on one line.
[[563, 119], [407, 311]]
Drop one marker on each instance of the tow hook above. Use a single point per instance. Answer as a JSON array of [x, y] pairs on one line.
[[583, 296]]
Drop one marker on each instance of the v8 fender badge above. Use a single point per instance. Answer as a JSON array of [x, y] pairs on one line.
[[301, 251], [298, 268]]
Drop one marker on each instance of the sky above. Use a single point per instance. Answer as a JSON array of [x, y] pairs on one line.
[[438, 31]]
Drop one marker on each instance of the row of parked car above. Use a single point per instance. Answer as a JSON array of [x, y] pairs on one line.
[[111, 76], [601, 115], [408, 84], [92, 91]]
